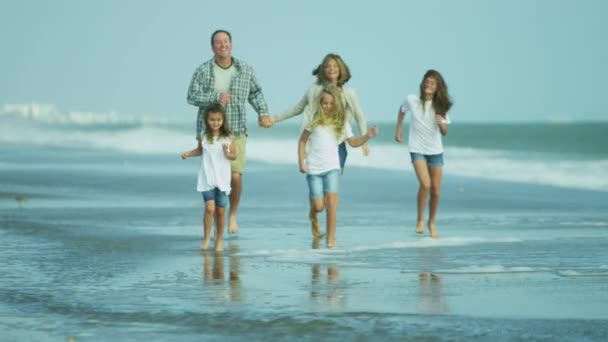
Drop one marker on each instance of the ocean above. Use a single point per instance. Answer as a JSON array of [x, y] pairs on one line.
[[100, 225]]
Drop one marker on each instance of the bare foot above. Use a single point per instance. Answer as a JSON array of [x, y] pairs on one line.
[[204, 244], [314, 226], [331, 243], [315, 243], [433, 231], [233, 227], [420, 227], [219, 245]]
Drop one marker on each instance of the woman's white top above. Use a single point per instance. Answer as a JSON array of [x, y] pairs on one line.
[[425, 136], [309, 104], [322, 153], [215, 167]]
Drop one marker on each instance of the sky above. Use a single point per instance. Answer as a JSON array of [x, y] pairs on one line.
[[503, 60]]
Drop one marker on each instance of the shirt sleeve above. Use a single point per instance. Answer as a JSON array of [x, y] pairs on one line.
[[348, 131], [197, 94], [297, 109], [355, 108], [256, 97], [447, 118], [406, 106]]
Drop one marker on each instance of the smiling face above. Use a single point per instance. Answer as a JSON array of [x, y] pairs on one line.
[[332, 70], [215, 120], [327, 103], [429, 87], [222, 46]]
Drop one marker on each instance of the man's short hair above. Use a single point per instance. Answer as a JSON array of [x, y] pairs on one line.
[[220, 31]]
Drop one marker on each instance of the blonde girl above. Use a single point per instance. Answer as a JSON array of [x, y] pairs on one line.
[[321, 161]]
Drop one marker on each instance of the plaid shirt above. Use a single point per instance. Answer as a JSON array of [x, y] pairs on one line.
[[244, 87]]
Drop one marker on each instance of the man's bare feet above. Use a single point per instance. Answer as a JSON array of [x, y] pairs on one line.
[[420, 227], [331, 243], [433, 231], [233, 227], [204, 244]]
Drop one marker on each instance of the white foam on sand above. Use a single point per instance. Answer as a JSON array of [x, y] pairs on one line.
[[475, 269], [325, 255], [426, 242]]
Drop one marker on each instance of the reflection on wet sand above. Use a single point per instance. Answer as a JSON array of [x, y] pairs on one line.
[[430, 297], [328, 290], [214, 275]]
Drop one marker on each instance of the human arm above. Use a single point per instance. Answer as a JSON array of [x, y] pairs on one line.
[[360, 140], [302, 150], [229, 150], [297, 109], [442, 124], [399, 131], [354, 107], [199, 93], [256, 98], [198, 151]]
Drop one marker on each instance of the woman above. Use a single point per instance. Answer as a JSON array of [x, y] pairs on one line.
[[428, 124], [332, 70]]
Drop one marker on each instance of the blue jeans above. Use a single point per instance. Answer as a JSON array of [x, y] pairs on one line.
[[431, 159], [220, 197], [343, 153], [319, 185]]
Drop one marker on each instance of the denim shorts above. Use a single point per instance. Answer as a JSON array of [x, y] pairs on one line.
[[220, 197], [431, 159], [319, 185]]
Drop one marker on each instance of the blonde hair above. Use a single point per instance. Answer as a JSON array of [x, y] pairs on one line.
[[337, 116]]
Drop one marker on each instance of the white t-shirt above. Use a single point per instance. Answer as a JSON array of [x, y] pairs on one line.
[[222, 77], [322, 153], [215, 167], [425, 136]]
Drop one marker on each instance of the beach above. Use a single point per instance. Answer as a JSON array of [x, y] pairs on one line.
[[100, 242]]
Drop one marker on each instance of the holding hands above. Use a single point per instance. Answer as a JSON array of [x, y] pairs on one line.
[[266, 121]]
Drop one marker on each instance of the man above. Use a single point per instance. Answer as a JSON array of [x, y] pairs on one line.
[[231, 82]]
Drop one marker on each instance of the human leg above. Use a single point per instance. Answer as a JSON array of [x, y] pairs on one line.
[[207, 218], [331, 203], [236, 181], [315, 187], [331, 198], [424, 181], [220, 215], [436, 173]]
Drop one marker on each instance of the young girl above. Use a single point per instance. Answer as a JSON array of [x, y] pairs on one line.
[[321, 162], [217, 150], [332, 70], [428, 124]]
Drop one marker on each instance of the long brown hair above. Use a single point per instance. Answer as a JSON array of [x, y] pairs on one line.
[[319, 71], [442, 102], [224, 130]]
